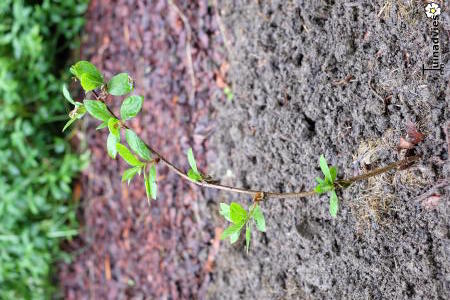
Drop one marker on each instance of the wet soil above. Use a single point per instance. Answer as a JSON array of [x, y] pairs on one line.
[[343, 79]]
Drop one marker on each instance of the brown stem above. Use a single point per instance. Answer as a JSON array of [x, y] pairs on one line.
[[396, 165], [340, 184]]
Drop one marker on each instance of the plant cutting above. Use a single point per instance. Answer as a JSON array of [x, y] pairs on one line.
[[143, 159]]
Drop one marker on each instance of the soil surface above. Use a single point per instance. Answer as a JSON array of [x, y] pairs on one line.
[[342, 78], [339, 78], [128, 249]]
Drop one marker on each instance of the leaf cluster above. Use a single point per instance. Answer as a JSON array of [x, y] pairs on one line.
[[241, 218], [139, 157], [326, 185]]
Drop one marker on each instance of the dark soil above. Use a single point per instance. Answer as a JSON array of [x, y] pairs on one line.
[[309, 77], [128, 250], [343, 79]]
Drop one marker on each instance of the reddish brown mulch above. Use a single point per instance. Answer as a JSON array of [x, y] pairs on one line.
[[128, 249]]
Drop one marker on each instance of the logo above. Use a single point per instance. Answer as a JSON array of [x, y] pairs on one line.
[[432, 10]]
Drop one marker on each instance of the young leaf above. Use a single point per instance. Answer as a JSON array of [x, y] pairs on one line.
[[147, 188], [225, 211], [237, 213], [120, 84], [137, 145], [130, 107], [130, 173], [231, 230], [152, 182], [259, 219], [324, 167], [234, 237], [194, 176], [248, 235], [83, 67], [191, 160], [90, 82], [228, 93], [98, 110], [113, 126], [111, 143], [333, 172], [92, 77], [323, 187], [67, 94], [333, 204], [69, 123], [128, 156]]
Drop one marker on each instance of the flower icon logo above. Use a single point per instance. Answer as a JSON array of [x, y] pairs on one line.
[[432, 9]]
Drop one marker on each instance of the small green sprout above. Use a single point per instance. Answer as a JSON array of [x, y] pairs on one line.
[[327, 185], [193, 172], [228, 93], [79, 110], [239, 218]]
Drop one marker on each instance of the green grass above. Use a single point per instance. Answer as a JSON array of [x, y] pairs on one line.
[[37, 165]]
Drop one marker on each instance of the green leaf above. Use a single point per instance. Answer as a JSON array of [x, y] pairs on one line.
[[67, 94], [248, 235], [98, 110], [237, 213], [130, 107], [90, 82], [128, 156], [194, 176], [79, 110], [323, 187], [191, 160], [152, 182], [324, 167], [334, 204], [234, 237], [83, 67], [88, 75], [111, 143], [333, 172], [231, 230], [228, 93], [225, 211], [259, 219], [137, 145], [120, 84], [148, 192], [130, 173], [69, 123], [113, 126], [319, 180]]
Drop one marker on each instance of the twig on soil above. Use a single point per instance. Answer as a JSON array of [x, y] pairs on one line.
[[188, 48], [263, 195]]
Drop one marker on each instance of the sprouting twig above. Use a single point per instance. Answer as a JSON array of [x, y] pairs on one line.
[[188, 48], [263, 195]]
